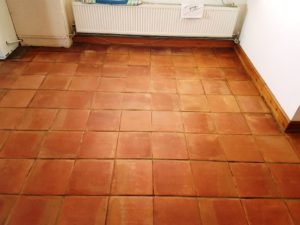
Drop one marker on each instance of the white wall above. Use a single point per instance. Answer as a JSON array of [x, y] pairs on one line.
[[271, 39]]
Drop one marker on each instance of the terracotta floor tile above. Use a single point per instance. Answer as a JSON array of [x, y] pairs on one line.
[[295, 141], [3, 137], [13, 173], [45, 57], [135, 121], [68, 57], [37, 119], [88, 70], [138, 71], [276, 149], [203, 51], [139, 60], [252, 104], [186, 73], [184, 61], [213, 179], [28, 82], [163, 86], [84, 83], [182, 51], [215, 87], [12, 68], [114, 70], [91, 177], [198, 122], [240, 148], [294, 208], [159, 60], [134, 145], [189, 87], [231, 62], [56, 83], [32, 210], [22, 145], [222, 212], [164, 101], [60, 144], [176, 211], [7, 81], [132, 177], [206, 61], [266, 212], [97, 47], [211, 73], [17, 98], [107, 120], [47, 99], [253, 180], [112, 84], [118, 59], [287, 179], [9, 118], [76, 99], [205, 147], [107, 100], [71, 120], [36, 68], [238, 74], [137, 84], [243, 88], [83, 210], [6, 204], [49, 177], [160, 51], [169, 146], [130, 210], [118, 49], [137, 101], [90, 56], [166, 121], [223, 103], [225, 52], [262, 124], [162, 72], [62, 69], [194, 103], [231, 123], [173, 178], [98, 145]]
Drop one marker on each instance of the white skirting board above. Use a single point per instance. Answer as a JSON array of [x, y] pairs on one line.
[[153, 19]]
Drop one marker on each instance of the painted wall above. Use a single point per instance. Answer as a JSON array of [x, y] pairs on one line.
[[271, 39]]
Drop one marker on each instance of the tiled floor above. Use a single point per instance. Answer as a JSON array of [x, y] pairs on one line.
[[120, 135]]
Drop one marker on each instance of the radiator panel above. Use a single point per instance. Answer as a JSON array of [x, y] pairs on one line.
[[153, 19]]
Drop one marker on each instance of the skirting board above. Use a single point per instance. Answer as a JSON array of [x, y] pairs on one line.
[[45, 41], [282, 119]]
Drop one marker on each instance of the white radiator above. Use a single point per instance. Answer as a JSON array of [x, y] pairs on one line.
[[153, 19]]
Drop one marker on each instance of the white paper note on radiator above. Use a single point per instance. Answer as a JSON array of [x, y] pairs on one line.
[[192, 9]]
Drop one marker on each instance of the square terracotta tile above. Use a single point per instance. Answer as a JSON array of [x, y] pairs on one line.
[[98, 145], [37, 119], [190, 87], [194, 103], [134, 145], [83, 210], [211, 73], [139, 59], [238, 74], [163, 86], [186, 73], [91, 177], [266, 212], [222, 212], [240, 148], [184, 61], [118, 49], [166, 121], [6, 204], [107, 100], [28, 82], [9, 118], [169, 146], [137, 101], [196, 122], [216, 87], [205, 147], [262, 124], [213, 179], [294, 208], [12, 68], [45, 57], [62, 69], [17, 98], [13, 173], [287, 179], [295, 141], [161, 60], [164, 102], [49, 177], [136, 121], [7, 81], [162, 72], [107, 120], [68, 119], [115, 70], [137, 84], [276, 149], [35, 210], [84, 83], [203, 51], [231, 123], [61, 144], [22, 145], [68, 57], [253, 180], [222, 103], [118, 59], [253, 104], [37, 68], [173, 178], [89, 56], [138, 71], [47, 99], [130, 210], [160, 51], [182, 51], [243, 88], [3, 137], [112, 84], [56, 83], [225, 52], [229, 61], [206, 61], [132, 177], [76, 99], [88, 70], [176, 211]]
